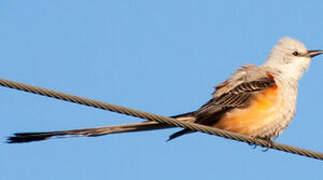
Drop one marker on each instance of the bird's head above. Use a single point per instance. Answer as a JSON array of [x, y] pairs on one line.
[[291, 57]]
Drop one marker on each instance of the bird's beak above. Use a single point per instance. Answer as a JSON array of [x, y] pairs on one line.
[[312, 53]]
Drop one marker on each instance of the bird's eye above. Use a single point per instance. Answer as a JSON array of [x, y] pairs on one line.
[[295, 53]]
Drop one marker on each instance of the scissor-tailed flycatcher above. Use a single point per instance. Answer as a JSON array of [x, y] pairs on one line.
[[257, 101]]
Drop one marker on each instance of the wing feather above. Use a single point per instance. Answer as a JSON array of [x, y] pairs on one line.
[[237, 97]]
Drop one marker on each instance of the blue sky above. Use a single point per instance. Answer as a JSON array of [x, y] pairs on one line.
[[157, 56]]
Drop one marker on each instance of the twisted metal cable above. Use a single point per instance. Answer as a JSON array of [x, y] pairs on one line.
[[160, 119]]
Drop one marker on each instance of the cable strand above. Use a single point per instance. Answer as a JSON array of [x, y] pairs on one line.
[[160, 119]]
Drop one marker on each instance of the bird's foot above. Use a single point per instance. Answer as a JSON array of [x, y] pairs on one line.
[[268, 145], [253, 144]]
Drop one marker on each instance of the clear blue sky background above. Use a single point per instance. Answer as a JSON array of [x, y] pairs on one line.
[[157, 56]]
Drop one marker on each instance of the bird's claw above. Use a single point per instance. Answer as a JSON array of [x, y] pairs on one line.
[[267, 146]]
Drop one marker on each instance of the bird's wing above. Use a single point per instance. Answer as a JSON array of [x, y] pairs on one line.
[[236, 92], [238, 97]]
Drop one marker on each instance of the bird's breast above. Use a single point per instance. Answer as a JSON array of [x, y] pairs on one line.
[[257, 118]]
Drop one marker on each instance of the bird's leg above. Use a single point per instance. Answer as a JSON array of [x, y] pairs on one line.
[[269, 144], [253, 144]]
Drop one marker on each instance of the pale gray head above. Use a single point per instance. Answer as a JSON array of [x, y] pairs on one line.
[[291, 58]]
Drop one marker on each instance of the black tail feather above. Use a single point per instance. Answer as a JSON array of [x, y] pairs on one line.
[[179, 133], [28, 137], [40, 136], [189, 114], [184, 131]]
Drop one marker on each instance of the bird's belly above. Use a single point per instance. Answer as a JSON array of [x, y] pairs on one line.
[[256, 119]]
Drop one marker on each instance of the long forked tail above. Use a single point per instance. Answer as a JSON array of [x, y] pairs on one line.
[[99, 131]]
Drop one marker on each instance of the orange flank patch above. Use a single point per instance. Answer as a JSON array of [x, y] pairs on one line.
[[251, 120]]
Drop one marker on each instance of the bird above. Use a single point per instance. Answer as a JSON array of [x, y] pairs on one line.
[[256, 101]]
